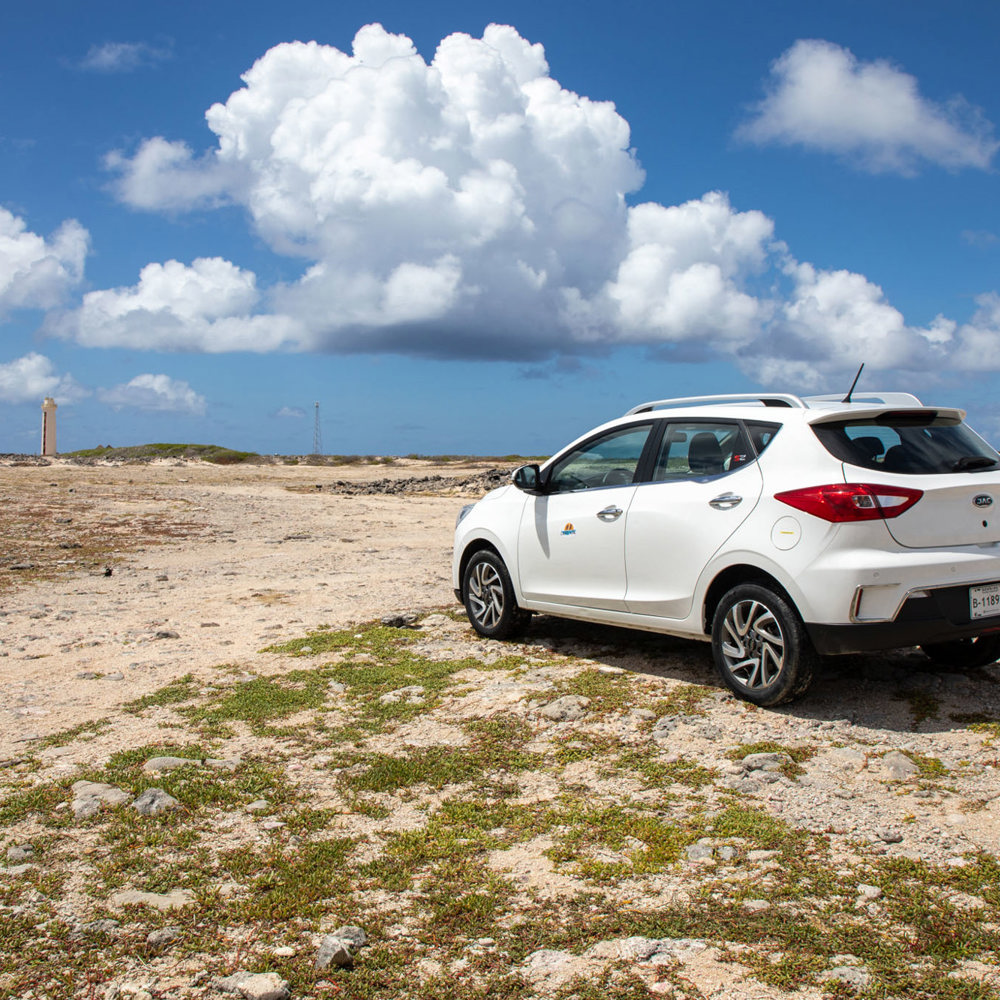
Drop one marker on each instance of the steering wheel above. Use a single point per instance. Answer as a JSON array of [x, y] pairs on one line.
[[616, 477]]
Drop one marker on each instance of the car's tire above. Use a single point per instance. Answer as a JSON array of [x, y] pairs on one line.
[[964, 653], [488, 596], [761, 648]]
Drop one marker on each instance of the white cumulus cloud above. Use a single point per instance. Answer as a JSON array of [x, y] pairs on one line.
[[33, 377], [821, 97], [471, 206], [290, 412], [206, 306], [154, 393], [35, 272]]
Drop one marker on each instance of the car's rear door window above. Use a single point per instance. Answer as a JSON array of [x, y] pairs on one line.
[[908, 443], [699, 448]]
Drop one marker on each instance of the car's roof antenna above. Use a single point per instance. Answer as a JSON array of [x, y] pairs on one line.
[[847, 398]]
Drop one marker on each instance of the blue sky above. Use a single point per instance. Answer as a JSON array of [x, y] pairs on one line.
[[465, 239]]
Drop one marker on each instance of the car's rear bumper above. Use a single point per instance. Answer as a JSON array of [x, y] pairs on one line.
[[939, 615]]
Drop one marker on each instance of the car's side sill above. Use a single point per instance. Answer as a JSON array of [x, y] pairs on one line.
[[603, 616]]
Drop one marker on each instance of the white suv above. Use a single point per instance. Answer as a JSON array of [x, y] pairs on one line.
[[774, 526]]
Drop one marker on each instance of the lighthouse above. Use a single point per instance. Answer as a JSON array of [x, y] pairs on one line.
[[49, 426]]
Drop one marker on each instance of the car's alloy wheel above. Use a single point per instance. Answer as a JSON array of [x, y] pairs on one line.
[[964, 653], [488, 596], [760, 646]]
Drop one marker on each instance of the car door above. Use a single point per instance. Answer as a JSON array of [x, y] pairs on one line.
[[571, 540], [704, 483]]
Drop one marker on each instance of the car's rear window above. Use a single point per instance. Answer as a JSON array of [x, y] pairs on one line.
[[910, 442]]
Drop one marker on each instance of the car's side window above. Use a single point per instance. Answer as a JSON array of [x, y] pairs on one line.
[[610, 460], [695, 449]]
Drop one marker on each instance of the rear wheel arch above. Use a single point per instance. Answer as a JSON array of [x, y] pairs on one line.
[[731, 577]]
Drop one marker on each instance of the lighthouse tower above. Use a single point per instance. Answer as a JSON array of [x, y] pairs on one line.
[[49, 426]]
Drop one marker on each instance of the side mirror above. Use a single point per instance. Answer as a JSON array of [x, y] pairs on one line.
[[528, 479]]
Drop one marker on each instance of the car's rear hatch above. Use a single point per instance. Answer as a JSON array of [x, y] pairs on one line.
[[930, 450]]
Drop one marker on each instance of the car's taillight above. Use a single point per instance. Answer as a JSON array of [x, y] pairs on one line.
[[852, 501]]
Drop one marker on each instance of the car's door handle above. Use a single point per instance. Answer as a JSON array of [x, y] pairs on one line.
[[726, 501], [611, 513]]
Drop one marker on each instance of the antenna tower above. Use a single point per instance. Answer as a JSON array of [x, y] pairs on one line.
[[317, 434]]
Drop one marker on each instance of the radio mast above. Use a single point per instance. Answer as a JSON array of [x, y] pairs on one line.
[[317, 434]]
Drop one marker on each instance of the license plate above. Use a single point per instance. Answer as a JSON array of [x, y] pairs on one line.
[[984, 601]]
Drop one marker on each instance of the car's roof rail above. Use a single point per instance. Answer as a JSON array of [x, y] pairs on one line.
[[889, 398], [765, 399]]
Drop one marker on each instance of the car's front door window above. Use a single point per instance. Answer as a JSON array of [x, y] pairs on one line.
[[610, 460]]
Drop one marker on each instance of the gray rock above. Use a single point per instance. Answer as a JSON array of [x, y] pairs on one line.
[[727, 853], [699, 852], [334, 951], [898, 766], [846, 759], [258, 805], [888, 836], [19, 853], [569, 708], [159, 764], [766, 761], [174, 900], [756, 905], [87, 675], [116, 676], [89, 796], [100, 927], [227, 764], [403, 619], [869, 891], [352, 934], [645, 714], [154, 801], [412, 695], [159, 939], [254, 986], [856, 978], [166, 633]]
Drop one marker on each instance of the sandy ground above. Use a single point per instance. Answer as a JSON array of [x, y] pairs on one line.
[[246, 556]]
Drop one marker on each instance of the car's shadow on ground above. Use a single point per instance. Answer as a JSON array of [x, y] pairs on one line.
[[898, 691]]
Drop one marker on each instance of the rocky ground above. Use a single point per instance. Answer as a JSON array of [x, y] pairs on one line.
[[222, 773]]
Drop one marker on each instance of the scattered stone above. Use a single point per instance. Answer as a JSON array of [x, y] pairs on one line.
[[105, 926], [162, 578], [756, 905], [89, 796], [174, 900], [352, 934], [155, 765], [166, 633], [767, 761], [154, 801], [254, 986], [225, 764], [869, 891], [159, 939], [284, 951], [702, 851], [258, 805], [210, 625], [23, 566], [849, 975], [116, 676], [334, 951], [898, 766], [404, 619], [412, 695], [569, 708], [846, 759], [20, 852], [87, 675], [645, 714], [888, 836]]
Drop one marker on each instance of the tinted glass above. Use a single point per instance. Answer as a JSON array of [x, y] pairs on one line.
[[693, 449], [761, 434], [910, 443], [610, 460]]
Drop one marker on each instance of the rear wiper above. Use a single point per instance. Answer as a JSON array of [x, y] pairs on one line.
[[967, 462]]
